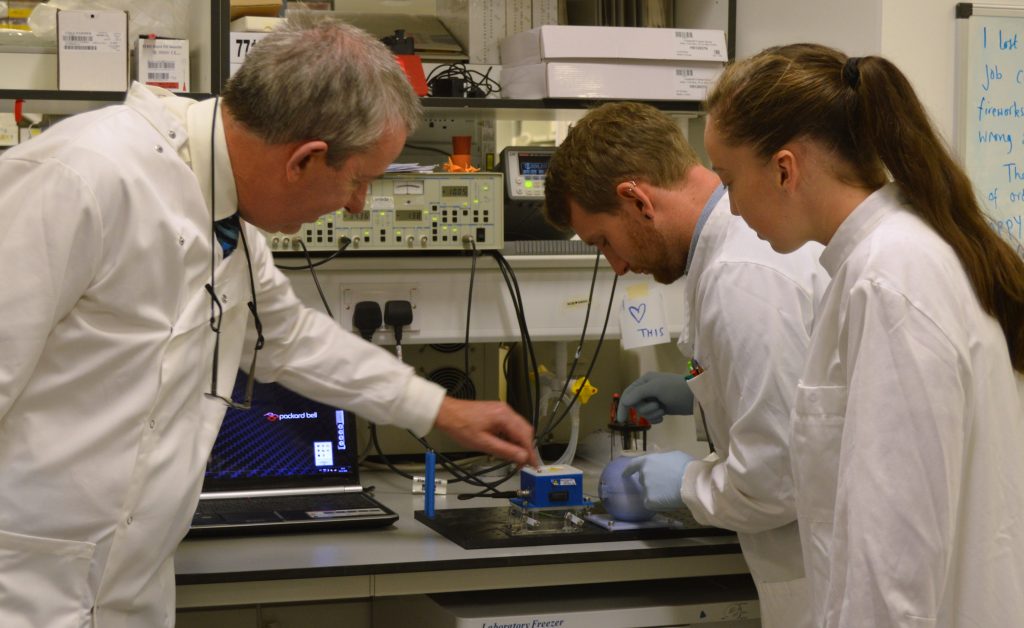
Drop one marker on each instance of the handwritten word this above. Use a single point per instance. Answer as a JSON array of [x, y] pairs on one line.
[[651, 333]]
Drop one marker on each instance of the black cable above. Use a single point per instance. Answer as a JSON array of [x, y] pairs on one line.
[[477, 84], [593, 360], [343, 243], [316, 281], [529, 355], [428, 148], [579, 346]]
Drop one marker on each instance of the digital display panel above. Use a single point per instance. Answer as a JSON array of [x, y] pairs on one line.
[[533, 165], [408, 214], [360, 217], [454, 191]]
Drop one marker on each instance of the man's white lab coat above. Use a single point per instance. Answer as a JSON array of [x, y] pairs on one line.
[[107, 349], [748, 325], [907, 437]]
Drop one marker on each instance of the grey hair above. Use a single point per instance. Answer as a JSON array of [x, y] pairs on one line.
[[316, 77]]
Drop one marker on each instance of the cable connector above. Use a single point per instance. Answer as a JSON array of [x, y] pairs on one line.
[[418, 483], [398, 315]]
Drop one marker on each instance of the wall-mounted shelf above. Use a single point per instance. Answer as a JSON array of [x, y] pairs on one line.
[[541, 109]]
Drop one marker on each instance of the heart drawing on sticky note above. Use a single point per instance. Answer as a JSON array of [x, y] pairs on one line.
[[638, 311]]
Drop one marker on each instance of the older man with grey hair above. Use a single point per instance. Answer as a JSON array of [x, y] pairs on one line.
[[136, 281]]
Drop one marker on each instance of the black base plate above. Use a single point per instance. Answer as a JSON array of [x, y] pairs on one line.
[[479, 528]]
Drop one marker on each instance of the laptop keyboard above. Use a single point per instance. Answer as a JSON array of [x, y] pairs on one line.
[[354, 503]]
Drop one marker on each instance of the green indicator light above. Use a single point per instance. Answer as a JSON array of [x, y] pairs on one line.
[[528, 184], [476, 201]]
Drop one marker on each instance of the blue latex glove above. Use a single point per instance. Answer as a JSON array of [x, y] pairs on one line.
[[661, 476], [654, 395]]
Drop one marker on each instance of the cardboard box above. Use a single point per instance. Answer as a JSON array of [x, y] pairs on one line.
[[24, 67], [629, 81], [239, 45], [92, 50], [478, 25], [266, 8], [162, 62], [252, 24], [612, 43]]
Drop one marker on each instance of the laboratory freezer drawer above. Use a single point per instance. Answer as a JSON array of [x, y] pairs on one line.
[[712, 602]]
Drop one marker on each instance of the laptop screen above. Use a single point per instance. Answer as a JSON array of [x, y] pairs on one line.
[[284, 440]]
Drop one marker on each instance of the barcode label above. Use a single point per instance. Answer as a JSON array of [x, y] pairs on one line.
[[684, 34], [684, 72], [159, 76], [80, 47], [160, 65], [73, 37]]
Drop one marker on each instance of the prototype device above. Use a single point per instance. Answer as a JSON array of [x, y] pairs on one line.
[[552, 501], [411, 213], [524, 169]]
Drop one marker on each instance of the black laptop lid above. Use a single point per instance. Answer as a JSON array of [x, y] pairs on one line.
[[283, 441]]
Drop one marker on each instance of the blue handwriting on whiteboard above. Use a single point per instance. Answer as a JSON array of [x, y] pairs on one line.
[[1010, 111], [991, 74], [1007, 43], [1013, 173], [992, 137], [1012, 227]]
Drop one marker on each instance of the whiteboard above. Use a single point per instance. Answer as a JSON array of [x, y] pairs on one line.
[[990, 111]]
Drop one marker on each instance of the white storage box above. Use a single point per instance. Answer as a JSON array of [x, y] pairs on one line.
[[162, 62], [631, 81], [612, 43], [24, 67], [92, 50]]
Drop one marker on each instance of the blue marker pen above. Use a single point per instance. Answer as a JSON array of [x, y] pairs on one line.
[[428, 483]]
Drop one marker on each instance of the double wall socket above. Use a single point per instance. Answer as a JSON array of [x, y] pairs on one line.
[[381, 293]]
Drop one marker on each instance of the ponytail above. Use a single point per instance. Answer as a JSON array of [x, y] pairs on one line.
[[865, 110]]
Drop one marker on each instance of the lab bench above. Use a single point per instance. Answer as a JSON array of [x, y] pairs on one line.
[[317, 579]]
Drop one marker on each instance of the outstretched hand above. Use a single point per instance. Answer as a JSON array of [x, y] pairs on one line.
[[489, 426]]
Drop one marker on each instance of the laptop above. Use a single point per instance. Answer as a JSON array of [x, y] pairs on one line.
[[287, 464]]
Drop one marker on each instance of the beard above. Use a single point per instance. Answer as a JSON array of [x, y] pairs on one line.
[[655, 255]]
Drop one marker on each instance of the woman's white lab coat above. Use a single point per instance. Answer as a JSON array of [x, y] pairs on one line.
[[107, 349], [748, 325], [907, 437]]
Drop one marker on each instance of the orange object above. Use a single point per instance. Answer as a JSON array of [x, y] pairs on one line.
[[413, 67], [460, 160]]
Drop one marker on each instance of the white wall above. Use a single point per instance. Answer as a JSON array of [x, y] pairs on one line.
[[916, 35]]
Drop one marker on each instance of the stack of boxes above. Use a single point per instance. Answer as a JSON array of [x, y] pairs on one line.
[[612, 62]]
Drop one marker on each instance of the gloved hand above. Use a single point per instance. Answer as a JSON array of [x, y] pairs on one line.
[[661, 476], [654, 395]]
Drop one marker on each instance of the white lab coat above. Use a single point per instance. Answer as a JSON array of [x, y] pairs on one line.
[[106, 345], [748, 326], [907, 437]]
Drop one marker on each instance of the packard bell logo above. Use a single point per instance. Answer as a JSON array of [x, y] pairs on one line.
[[285, 416]]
